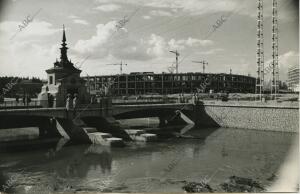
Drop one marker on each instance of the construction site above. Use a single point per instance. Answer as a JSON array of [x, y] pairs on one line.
[[143, 83], [174, 82]]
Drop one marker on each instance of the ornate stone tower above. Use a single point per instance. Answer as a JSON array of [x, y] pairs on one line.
[[63, 79]]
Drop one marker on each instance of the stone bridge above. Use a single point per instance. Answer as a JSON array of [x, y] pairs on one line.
[[119, 111], [50, 120]]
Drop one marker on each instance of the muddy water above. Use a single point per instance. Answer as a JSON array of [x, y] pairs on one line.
[[163, 166]]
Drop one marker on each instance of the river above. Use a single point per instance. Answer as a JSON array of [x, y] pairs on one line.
[[162, 166]]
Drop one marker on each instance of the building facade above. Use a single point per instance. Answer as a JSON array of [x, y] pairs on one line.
[[293, 79], [140, 83], [63, 79]]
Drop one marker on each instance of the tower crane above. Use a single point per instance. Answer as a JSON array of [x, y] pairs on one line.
[[121, 66], [177, 55], [203, 62]]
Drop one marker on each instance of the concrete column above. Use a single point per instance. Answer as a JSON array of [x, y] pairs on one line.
[[47, 128], [162, 121], [74, 130]]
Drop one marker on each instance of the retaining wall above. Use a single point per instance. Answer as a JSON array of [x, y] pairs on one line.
[[250, 116]]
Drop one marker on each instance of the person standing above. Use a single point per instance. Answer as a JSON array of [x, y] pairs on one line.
[[179, 98], [75, 103], [194, 98], [93, 100], [28, 100], [68, 102], [24, 100], [50, 100]]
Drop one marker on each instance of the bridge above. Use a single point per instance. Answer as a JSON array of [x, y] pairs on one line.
[[96, 111], [53, 122]]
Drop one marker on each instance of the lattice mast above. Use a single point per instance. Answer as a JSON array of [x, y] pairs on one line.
[[259, 89], [275, 66], [176, 55]]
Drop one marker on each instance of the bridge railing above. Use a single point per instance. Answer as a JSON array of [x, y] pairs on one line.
[[19, 104], [144, 100], [35, 103]]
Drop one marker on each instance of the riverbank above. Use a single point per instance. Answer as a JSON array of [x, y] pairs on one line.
[[282, 117]]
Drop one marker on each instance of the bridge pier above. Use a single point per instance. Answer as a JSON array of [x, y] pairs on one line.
[[201, 118], [73, 128], [163, 121], [47, 128], [107, 125], [175, 119]]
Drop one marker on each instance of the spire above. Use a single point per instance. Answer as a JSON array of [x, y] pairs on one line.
[[64, 35], [64, 62], [63, 49]]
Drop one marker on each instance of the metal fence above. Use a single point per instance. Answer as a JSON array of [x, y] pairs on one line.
[[35, 103], [13, 103], [145, 100]]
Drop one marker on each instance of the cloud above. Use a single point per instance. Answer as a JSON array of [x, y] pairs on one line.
[[160, 13], [192, 7], [289, 59], [210, 52], [35, 28], [196, 7], [103, 33], [106, 42], [286, 60], [73, 16], [157, 45], [19, 58], [146, 17], [108, 7], [103, 44], [80, 21], [77, 20], [190, 42]]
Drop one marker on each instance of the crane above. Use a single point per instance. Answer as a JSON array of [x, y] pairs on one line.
[[177, 55], [121, 66], [203, 62]]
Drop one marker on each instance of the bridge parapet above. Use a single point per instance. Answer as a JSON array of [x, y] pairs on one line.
[[57, 112], [121, 109]]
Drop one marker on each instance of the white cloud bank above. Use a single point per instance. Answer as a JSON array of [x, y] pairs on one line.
[[108, 7], [106, 42]]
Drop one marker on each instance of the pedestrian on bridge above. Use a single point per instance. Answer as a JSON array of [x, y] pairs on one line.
[[24, 100], [75, 104], [50, 100], [17, 99], [68, 102], [194, 98], [75, 101]]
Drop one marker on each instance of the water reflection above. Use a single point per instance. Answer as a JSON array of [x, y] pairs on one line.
[[138, 167], [76, 163], [57, 168]]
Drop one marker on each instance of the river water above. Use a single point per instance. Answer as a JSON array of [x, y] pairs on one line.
[[163, 166]]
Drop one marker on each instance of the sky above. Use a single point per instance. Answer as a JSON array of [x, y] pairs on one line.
[[152, 28]]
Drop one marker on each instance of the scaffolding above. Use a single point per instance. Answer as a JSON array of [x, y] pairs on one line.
[[259, 89], [275, 67], [140, 83], [176, 55]]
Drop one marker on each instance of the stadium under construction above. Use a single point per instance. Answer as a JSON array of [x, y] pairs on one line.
[[141, 83]]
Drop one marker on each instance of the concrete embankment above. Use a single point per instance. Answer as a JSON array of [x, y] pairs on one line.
[[259, 116]]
